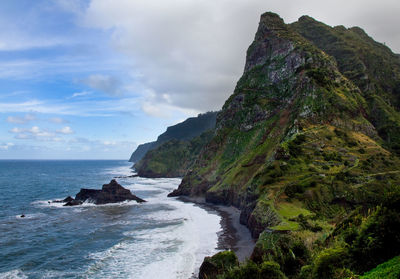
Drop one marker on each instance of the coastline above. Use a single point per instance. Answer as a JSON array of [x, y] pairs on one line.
[[234, 236]]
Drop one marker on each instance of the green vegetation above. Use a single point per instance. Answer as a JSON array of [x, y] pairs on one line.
[[387, 270], [308, 147], [173, 158], [372, 66], [220, 263], [184, 131]]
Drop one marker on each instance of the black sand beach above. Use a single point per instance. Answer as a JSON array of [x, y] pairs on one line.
[[234, 236]]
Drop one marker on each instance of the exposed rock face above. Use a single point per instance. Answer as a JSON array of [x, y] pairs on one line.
[[291, 108], [308, 144], [141, 150], [110, 193]]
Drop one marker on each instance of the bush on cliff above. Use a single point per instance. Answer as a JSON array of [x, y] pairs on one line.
[[267, 270], [218, 264]]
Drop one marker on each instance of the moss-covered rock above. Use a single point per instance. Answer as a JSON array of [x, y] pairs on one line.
[[218, 264]]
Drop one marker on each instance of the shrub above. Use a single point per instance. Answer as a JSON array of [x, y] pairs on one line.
[[248, 270], [271, 270], [388, 270], [328, 262], [378, 239], [361, 150], [285, 249], [218, 264], [292, 189], [306, 272]]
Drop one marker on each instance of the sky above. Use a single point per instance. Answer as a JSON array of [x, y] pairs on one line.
[[92, 79]]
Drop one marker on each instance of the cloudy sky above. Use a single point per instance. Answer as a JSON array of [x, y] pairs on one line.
[[91, 79]]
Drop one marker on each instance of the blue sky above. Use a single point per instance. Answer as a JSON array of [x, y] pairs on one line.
[[91, 79], [64, 90]]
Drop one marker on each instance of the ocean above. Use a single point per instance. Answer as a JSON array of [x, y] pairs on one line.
[[162, 238]]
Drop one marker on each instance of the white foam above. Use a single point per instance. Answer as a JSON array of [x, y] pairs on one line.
[[13, 274], [119, 171], [31, 216], [50, 203], [186, 235]]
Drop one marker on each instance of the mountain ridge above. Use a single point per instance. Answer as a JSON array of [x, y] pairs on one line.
[[304, 148], [184, 131]]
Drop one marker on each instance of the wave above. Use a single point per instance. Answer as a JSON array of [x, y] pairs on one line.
[[51, 204], [31, 216], [172, 245], [13, 274]]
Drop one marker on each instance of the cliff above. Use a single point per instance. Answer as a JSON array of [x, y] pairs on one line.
[[184, 131], [306, 147], [141, 150], [172, 158]]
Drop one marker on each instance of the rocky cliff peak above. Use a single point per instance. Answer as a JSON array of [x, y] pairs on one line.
[[284, 72]]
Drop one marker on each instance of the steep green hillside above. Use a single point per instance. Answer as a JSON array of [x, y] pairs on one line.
[[172, 158], [184, 131], [299, 150], [372, 66], [387, 270]]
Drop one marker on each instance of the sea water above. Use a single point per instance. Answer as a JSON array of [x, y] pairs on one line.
[[162, 238]]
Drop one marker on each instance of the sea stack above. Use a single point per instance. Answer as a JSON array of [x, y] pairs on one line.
[[110, 193]]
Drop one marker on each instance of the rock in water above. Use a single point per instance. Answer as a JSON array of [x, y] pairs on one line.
[[110, 193]]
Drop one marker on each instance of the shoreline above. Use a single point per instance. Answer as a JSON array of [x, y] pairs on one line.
[[234, 236]]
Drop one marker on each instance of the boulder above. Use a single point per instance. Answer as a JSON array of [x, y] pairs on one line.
[[73, 202], [67, 199], [110, 193]]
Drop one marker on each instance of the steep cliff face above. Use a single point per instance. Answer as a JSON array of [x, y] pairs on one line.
[[141, 150], [306, 147], [291, 138], [184, 131], [172, 158], [372, 66]]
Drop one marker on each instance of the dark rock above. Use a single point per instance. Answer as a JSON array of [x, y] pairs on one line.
[[127, 176], [110, 193], [67, 199], [73, 202], [175, 193], [208, 269], [22, 216]]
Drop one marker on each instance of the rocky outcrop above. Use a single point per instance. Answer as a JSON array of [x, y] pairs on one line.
[[110, 193], [309, 134], [184, 131], [141, 150], [173, 158], [291, 98]]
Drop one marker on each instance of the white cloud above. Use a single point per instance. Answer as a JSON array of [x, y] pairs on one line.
[[194, 51], [6, 146], [57, 120], [109, 142], [80, 94], [105, 83], [21, 120], [17, 130], [82, 108], [40, 134], [65, 130]]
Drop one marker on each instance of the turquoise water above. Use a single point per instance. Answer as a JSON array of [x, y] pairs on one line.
[[163, 238]]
